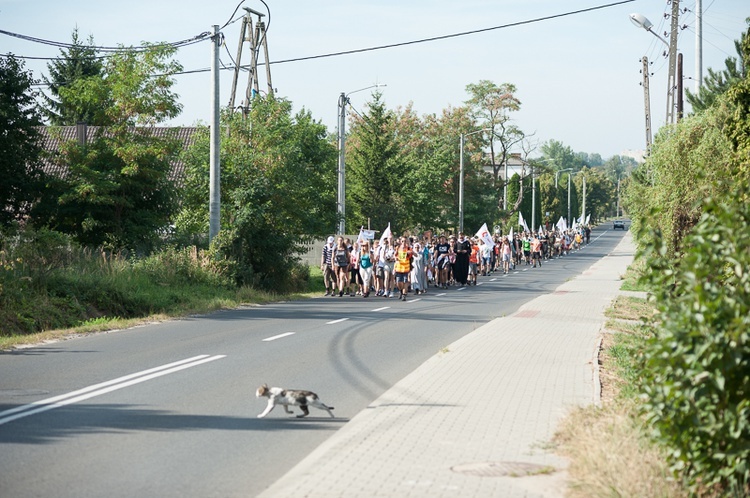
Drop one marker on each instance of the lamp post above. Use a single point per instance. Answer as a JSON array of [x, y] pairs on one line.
[[461, 177], [533, 191], [569, 175], [341, 197]]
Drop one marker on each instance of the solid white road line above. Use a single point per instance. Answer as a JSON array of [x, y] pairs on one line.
[[103, 388], [337, 321], [268, 339]]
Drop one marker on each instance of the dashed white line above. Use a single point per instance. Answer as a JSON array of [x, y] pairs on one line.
[[337, 321], [268, 339], [381, 309]]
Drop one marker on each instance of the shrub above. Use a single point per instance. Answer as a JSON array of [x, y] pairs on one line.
[[696, 371]]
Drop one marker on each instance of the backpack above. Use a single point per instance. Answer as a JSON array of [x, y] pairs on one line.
[[342, 259]]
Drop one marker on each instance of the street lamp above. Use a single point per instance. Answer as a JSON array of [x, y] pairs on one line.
[[341, 201], [533, 191], [569, 175], [642, 22], [461, 177]]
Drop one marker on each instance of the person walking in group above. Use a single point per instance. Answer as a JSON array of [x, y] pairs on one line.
[[474, 259], [365, 268], [461, 266], [341, 260], [389, 259], [536, 251], [507, 253], [326, 266], [402, 267], [441, 262], [418, 274]]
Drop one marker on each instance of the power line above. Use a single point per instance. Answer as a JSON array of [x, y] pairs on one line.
[[181, 43], [454, 35], [427, 40]]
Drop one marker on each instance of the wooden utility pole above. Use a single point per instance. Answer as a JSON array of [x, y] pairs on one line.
[[647, 102], [671, 83]]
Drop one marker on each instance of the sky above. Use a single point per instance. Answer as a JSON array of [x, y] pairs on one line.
[[578, 76]]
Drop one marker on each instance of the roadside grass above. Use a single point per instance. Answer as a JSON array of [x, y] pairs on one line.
[[92, 294], [630, 308], [632, 275], [609, 448]]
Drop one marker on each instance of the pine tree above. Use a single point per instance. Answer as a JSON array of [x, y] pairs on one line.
[[718, 82], [19, 141], [78, 62]]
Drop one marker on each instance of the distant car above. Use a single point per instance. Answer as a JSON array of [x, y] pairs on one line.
[[618, 224]]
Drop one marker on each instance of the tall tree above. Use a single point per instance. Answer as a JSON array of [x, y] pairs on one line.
[[118, 192], [375, 170], [560, 156], [491, 105], [718, 82], [78, 62], [277, 191], [20, 171]]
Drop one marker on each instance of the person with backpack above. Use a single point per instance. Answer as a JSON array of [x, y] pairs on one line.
[[341, 260]]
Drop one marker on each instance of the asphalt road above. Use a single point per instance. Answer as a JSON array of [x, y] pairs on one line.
[[169, 409]]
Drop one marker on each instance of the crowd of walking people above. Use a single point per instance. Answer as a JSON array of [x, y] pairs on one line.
[[399, 266]]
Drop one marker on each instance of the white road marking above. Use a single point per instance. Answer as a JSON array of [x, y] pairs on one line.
[[268, 339], [381, 309], [493, 279], [413, 300], [103, 388], [441, 294], [337, 321]]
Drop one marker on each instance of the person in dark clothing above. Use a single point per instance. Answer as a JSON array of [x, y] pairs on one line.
[[461, 266]]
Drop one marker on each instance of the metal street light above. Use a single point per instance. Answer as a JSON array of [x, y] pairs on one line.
[[561, 171], [461, 177], [642, 22], [533, 190], [341, 201], [569, 175]]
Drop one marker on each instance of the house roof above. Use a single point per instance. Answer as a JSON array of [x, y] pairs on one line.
[[53, 137]]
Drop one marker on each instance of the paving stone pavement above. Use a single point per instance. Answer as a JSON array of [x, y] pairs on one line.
[[484, 407]]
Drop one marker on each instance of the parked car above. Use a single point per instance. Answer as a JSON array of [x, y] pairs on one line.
[[618, 224]]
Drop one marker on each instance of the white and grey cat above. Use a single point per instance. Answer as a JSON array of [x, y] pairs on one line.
[[290, 397]]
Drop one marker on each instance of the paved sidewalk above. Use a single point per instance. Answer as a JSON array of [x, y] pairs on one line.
[[471, 419]]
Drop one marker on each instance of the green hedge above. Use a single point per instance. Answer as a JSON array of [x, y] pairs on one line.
[[696, 370]]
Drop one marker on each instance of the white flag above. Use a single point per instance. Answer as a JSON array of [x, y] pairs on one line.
[[588, 217], [484, 234], [522, 222], [575, 224], [561, 224], [386, 233], [541, 230], [510, 235]]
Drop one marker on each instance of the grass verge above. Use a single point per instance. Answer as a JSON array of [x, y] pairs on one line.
[[85, 297]]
